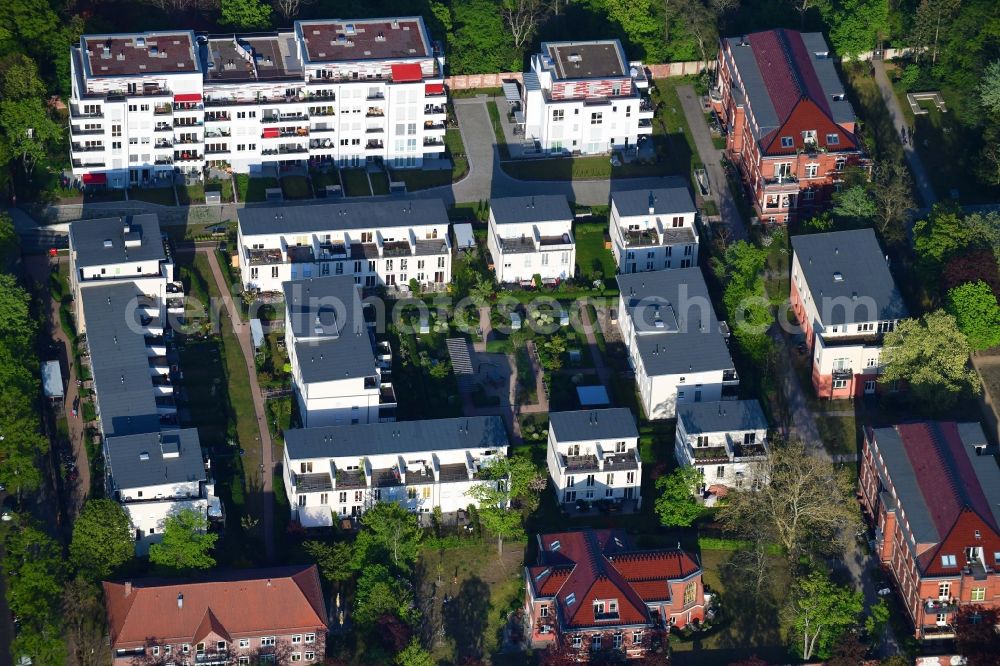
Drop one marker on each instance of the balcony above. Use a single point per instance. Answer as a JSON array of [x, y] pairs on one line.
[[187, 156], [163, 143], [73, 113], [284, 117], [312, 483], [586, 463], [163, 127], [285, 133], [782, 183], [730, 377], [217, 151], [431, 142], [265, 257], [322, 111], [163, 161], [372, 96], [621, 461], [843, 373], [322, 128], [434, 110], [188, 106], [453, 472], [645, 124], [186, 140], [285, 150], [646, 105], [217, 133], [163, 110], [386, 395], [79, 131], [396, 249], [188, 122], [350, 479], [710, 453], [374, 145], [88, 164], [640, 237], [300, 254], [375, 130], [375, 112], [434, 126], [388, 477], [217, 117], [332, 250], [83, 148], [239, 101], [937, 632]]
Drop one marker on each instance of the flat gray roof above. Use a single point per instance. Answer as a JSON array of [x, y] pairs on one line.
[[591, 424], [52, 383], [155, 458], [722, 416], [343, 215], [139, 53], [848, 265], [677, 328], [235, 58], [116, 240], [586, 60], [468, 432], [540, 208], [332, 340], [119, 362], [342, 40], [833, 89], [663, 201]]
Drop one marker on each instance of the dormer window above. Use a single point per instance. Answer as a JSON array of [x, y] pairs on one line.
[[571, 598], [809, 136], [948, 561], [554, 546], [832, 139], [787, 142]]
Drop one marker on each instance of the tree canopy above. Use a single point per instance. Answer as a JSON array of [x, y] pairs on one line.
[[186, 543], [379, 593], [821, 612], [102, 539], [504, 481], [976, 313], [677, 505], [391, 535]]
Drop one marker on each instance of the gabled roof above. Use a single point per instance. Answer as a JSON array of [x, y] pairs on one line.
[[593, 424], [235, 604], [578, 568]]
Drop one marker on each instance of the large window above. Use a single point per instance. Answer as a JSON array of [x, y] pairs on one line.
[[596, 118], [558, 115]]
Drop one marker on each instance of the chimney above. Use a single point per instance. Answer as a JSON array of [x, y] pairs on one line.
[[128, 588], [180, 601], [652, 203]]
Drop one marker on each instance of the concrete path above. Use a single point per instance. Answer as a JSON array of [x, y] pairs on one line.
[[711, 157], [899, 121], [242, 331], [603, 372], [800, 421]]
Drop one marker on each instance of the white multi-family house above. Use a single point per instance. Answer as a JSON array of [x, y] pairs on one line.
[[123, 249], [341, 471], [723, 440], [585, 97], [845, 300], [332, 352], [531, 236], [593, 457], [653, 230], [147, 105], [380, 243], [675, 343], [156, 474]]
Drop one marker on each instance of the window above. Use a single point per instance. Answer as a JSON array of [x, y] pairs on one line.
[[577, 642], [296, 656], [571, 598], [596, 118], [720, 472], [244, 661], [305, 468], [808, 194], [200, 648], [812, 170], [411, 493], [610, 480], [677, 221], [558, 115], [359, 495], [185, 648], [543, 610], [979, 594], [570, 481], [590, 480], [787, 142], [636, 637], [425, 492], [598, 608], [296, 638], [595, 643], [267, 641], [156, 650], [689, 591], [832, 139], [310, 656], [839, 383], [617, 640], [948, 561]]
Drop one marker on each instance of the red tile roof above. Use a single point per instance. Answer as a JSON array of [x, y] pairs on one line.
[[233, 604], [806, 115], [961, 536], [579, 568]]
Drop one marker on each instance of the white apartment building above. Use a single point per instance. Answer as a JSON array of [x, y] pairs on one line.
[[723, 440], [156, 474], [531, 236], [675, 343], [123, 249], [593, 457], [332, 352], [653, 230], [585, 98], [340, 471], [845, 298], [146, 105], [379, 243]]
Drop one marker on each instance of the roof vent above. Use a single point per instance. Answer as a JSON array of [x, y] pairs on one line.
[[180, 601], [349, 29], [395, 24], [140, 42], [574, 57], [838, 276], [144, 456], [108, 243]]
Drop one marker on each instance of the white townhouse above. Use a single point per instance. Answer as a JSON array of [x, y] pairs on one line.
[[593, 456], [123, 249], [653, 230], [340, 471], [845, 299], [332, 352], [585, 98], [675, 343], [156, 474], [722, 440], [146, 105], [379, 243], [531, 236]]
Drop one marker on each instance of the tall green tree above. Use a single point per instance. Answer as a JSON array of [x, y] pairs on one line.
[[479, 43], [246, 14], [989, 88], [415, 655], [856, 26], [931, 355], [102, 539], [379, 593], [854, 206], [976, 313], [35, 574], [676, 506], [186, 543], [934, 19], [391, 534], [334, 559], [820, 612], [502, 481]]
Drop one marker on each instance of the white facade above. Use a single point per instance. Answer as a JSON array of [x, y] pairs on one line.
[[145, 105], [585, 97], [345, 478], [649, 238], [522, 250], [599, 466], [722, 444], [346, 239]]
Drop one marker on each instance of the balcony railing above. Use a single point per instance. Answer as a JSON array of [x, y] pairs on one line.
[[163, 127], [429, 142], [843, 373], [374, 112], [432, 110], [233, 101], [282, 118], [705, 453], [79, 131], [80, 164], [374, 145], [78, 148], [192, 156], [217, 117]]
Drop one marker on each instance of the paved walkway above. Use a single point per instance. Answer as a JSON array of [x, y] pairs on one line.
[[899, 121], [603, 372], [711, 157], [242, 331]]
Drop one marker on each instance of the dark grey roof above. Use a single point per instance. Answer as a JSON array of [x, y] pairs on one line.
[[677, 330], [584, 60], [102, 241], [904, 481], [470, 432], [341, 215], [137, 461], [840, 109], [530, 81], [723, 416], [332, 340], [592, 424], [119, 362], [753, 82], [664, 201], [540, 208], [848, 266], [52, 382]]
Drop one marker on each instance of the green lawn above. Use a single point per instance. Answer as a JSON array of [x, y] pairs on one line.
[[225, 186], [840, 434], [195, 194], [355, 183], [380, 183], [501, 140], [253, 189], [456, 149], [876, 124], [320, 179], [593, 260], [157, 195], [296, 187], [418, 179]]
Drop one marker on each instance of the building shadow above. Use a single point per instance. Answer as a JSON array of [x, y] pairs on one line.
[[465, 617]]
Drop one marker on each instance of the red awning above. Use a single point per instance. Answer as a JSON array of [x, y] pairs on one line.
[[434, 89], [271, 133], [406, 72], [188, 97], [95, 179]]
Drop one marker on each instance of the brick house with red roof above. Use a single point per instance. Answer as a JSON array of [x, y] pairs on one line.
[[931, 491], [791, 129], [592, 591], [235, 618]]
